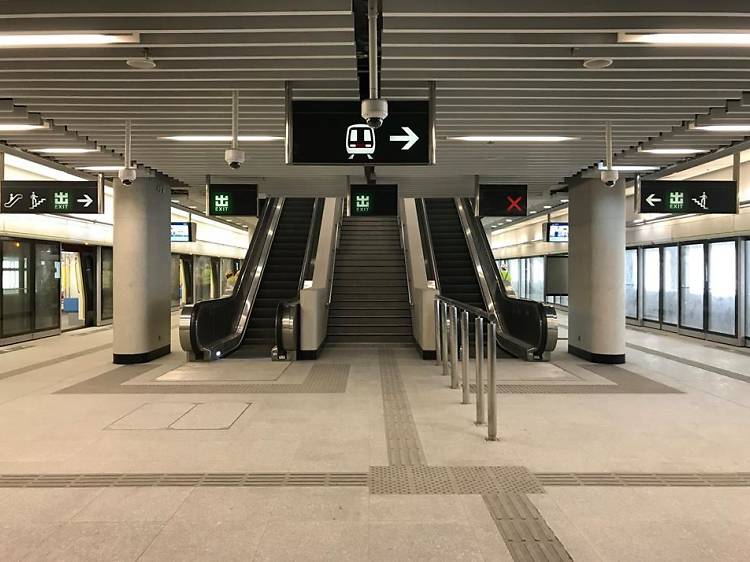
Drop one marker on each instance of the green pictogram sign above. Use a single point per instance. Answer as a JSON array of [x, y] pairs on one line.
[[362, 204], [232, 200]]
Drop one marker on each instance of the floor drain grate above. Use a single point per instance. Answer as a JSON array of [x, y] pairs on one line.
[[208, 479], [452, 480], [655, 479]]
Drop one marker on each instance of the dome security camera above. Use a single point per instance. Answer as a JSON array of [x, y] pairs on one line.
[[374, 112], [127, 176], [234, 158], [610, 177]]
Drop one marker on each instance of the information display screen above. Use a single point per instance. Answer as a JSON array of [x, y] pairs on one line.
[[502, 201], [232, 200], [687, 196], [181, 232], [333, 132], [374, 200], [556, 231], [51, 197]]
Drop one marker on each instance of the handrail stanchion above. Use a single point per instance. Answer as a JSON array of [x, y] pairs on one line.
[[444, 335], [465, 398], [454, 346], [479, 362], [438, 350], [491, 387]]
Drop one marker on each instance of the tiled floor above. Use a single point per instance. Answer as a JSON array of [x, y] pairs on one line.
[[702, 428]]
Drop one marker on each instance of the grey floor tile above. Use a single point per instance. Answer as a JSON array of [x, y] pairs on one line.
[[83, 541], [228, 505], [134, 504], [313, 541], [18, 541], [321, 504], [41, 505], [422, 541]]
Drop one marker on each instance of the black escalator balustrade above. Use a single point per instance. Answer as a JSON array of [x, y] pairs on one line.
[[281, 275], [370, 300]]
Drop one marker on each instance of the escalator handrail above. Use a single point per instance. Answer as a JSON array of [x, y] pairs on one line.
[[498, 301], [216, 327], [340, 214], [281, 327], [428, 250]]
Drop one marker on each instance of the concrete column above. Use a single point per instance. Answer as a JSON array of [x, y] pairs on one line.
[[596, 272], [141, 271]]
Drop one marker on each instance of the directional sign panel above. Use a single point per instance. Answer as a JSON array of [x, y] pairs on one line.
[[333, 132], [232, 200], [374, 200], [52, 197], [502, 201], [682, 197]]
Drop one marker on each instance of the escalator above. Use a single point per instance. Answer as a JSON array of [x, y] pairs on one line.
[[245, 322], [465, 271]]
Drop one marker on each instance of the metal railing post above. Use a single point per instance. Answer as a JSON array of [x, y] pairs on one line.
[[479, 362], [465, 398], [491, 387], [438, 351], [444, 335], [454, 346]]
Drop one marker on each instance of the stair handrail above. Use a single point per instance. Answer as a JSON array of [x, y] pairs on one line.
[[340, 214], [405, 251], [428, 249]]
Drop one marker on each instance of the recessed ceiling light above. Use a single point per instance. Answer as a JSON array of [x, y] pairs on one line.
[[701, 39], [676, 151], [221, 138], [68, 150], [512, 138], [564, 200], [508, 220], [532, 212], [101, 168], [548, 206], [141, 63], [597, 63], [724, 128], [192, 206], [175, 200], [63, 40], [19, 127], [629, 167]]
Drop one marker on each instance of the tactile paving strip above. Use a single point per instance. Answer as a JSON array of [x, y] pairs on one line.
[[700, 479], [387, 480], [526, 534], [402, 438], [115, 480], [323, 378], [691, 363], [55, 361], [625, 382]]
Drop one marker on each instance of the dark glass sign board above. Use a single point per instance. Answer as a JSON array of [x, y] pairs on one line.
[[52, 197], [232, 200], [683, 197], [373, 200], [333, 132], [502, 201]]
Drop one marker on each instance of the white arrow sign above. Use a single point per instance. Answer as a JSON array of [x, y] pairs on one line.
[[87, 200], [652, 199], [409, 138]]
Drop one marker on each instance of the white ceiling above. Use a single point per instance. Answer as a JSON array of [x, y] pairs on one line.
[[499, 69]]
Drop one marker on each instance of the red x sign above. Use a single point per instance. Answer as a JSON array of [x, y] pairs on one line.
[[514, 204]]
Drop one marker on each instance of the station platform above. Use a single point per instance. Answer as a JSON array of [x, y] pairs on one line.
[[367, 454]]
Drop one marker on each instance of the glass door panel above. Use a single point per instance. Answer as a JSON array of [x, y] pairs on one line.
[[16, 286], [722, 287], [692, 289], [670, 285], [46, 286], [631, 283], [651, 284]]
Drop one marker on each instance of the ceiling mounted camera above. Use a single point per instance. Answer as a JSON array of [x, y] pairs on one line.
[[374, 112], [375, 109], [234, 158], [127, 176], [610, 177]]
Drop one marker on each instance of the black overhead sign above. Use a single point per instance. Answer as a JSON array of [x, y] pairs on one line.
[[502, 201], [682, 197], [53, 197], [232, 200], [333, 132], [374, 200]]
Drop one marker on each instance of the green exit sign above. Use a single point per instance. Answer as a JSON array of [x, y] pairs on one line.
[[363, 203], [232, 200]]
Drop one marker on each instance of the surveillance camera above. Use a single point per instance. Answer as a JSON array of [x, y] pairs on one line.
[[234, 158], [127, 175], [374, 112], [610, 177]]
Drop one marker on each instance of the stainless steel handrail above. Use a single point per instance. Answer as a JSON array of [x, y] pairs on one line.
[[429, 255], [313, 235], [335, 247], [405, 250]]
